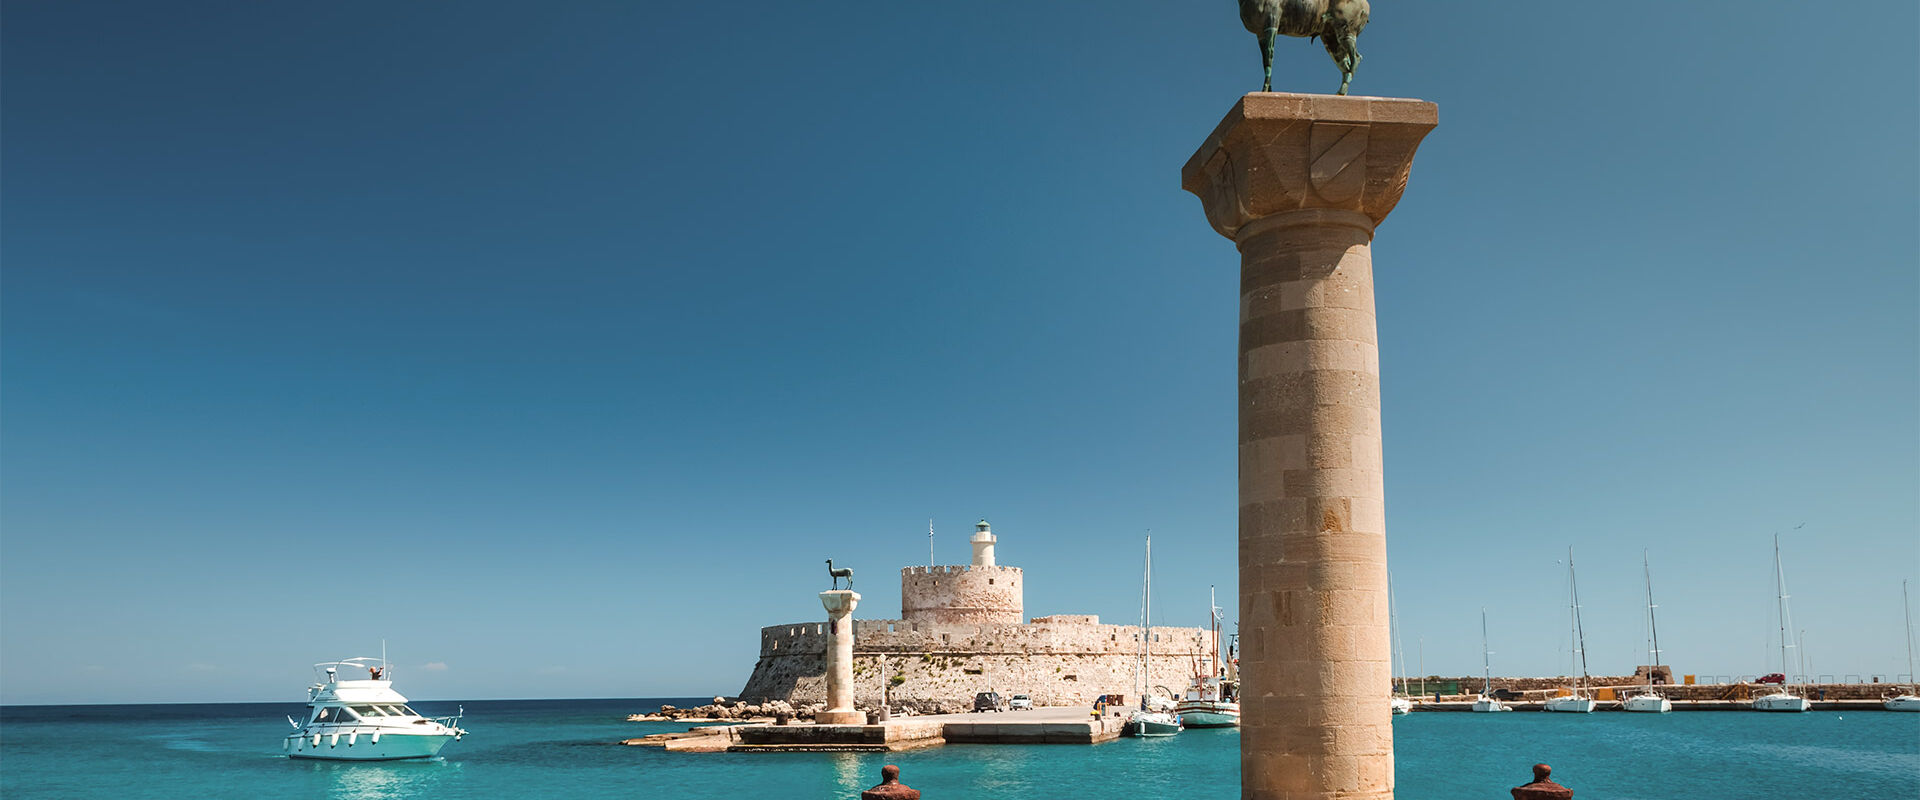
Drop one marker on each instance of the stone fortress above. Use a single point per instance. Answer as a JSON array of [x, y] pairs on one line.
[[962, 632]]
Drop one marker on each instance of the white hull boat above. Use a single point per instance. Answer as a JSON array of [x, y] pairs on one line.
[[1209, 701], [1400, 705], [1572, 704], [1904, 701], [1782, 701], [1646, 700], [1154, 717], [1153, 723], [365, 720], [1575, 701], [1485, 703], [1648, 703]]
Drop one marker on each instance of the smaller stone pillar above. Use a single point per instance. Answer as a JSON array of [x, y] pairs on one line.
[[840, 711], [890, 787], [1542, 787]]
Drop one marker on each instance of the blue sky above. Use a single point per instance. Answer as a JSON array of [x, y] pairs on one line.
[[558, 344]]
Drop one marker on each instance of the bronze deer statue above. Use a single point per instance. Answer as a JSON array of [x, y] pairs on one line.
[[1336, 22], [837, 574]]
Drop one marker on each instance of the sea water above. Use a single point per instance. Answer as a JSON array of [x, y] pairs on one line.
[[568, 749]]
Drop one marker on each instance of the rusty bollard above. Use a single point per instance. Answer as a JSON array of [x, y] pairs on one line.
[[1542, 787], [890, 787]]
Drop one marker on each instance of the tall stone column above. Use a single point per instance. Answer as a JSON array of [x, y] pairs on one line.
[[1299, 182], [840, 711]]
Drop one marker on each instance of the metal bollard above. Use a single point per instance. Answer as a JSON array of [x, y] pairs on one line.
[[890, 787], [1542, 787]]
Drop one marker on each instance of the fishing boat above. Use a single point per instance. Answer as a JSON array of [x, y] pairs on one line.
[[1398, 702], [1782, 698], [1486, 701], [1209, 701], [1575, 701], [1906, 700], [364, 720], [1645, 699], [1149, 720]]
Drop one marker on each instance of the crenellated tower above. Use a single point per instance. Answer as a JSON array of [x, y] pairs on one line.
[[980, 593]]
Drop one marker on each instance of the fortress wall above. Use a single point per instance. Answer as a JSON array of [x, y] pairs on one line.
[[962, 595], [930, 665]]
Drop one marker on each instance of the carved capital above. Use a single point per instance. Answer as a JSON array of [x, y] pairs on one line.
[[1278, 152]]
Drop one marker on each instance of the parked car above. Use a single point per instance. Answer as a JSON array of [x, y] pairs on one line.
[[1774, 678], [1020, 702], [989, 701], [1504, 693]]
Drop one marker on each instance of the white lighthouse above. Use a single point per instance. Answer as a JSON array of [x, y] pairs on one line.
[[983, 544]]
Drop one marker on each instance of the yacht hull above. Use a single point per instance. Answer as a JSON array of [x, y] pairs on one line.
[[1208, 714], [1400, 705], [1782, 702], [1488, 704], [1153, 724], [362, 747], [1648, 704], [1905, 702], [1571, 705]]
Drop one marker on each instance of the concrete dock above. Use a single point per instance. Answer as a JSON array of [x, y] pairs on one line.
[[1040, 726]]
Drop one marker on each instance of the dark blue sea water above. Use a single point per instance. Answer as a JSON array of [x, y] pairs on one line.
[[565, 748]]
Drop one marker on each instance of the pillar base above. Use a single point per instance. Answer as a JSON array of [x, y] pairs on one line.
[[840, 718]]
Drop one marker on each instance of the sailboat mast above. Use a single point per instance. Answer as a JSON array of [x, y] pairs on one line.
[[1393, 622], [1486, 656], [1780, 599], [1653, 627], [1579, 631], [1904, 608]]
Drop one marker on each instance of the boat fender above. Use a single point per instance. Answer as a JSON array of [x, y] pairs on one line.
[[352, 738], [316, 740], [285, 745], [376, 737], [333, 740]]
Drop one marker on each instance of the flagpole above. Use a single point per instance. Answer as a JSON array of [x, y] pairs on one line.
[[929, 542]]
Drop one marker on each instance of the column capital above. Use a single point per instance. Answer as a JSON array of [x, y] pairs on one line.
[[1277, 152], [839, 602]]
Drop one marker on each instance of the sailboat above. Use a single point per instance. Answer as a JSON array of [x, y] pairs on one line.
[[1575, 701], [1210, 702], [1905, 701], [1399, 702], [1486, 701], [1147, 721], [1782, 699], [1645, 699]]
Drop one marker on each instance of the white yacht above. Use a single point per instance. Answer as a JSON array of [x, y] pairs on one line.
[[1575, 700], [1486, 701], [1155, 717], [1906, 700], [364, 719], [1782, 698], [1645, 699], [1399, 703]]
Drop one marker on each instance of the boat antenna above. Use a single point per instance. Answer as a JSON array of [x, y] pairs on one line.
[[383, 657], [1486, 654], [1905, 608]]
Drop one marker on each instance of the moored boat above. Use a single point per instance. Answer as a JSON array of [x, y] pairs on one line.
[[1209, 701], [1149, 720], [1645, 699], [365, 720], [1782, 698], [1574, 700], [1906, 699], [1486, 702]]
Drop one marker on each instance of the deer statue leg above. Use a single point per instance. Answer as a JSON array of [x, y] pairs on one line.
[[1266, 58], [1349, 62]]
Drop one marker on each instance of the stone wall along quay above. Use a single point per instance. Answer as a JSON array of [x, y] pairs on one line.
[[1299, 182]]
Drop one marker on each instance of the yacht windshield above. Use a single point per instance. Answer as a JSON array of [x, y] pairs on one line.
[[366, 712]]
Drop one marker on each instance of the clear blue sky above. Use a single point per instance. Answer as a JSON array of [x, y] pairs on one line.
[[559, 343]]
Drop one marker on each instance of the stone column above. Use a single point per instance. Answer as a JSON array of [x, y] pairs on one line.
[[1299, 182], [840, 711]]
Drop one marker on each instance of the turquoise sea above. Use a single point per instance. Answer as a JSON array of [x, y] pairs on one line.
[[566, 748]]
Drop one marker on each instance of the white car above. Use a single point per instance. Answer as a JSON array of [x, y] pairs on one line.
[[1020, 702]]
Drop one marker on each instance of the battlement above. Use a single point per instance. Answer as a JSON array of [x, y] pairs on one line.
[[1068, 619], [951, 569]]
